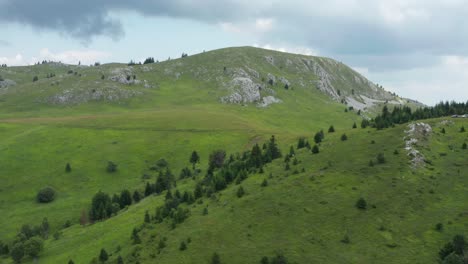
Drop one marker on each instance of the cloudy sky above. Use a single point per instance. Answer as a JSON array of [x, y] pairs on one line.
[[416, 48]]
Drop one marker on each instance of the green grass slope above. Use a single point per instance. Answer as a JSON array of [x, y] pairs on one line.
[[88, 119], [305, 215]]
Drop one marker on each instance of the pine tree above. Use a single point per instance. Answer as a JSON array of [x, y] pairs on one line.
[[71, 262], [215, 259], [147, 217], [125, 199], [194, 159], [120, 260], [354, 125], [361, 204], [240, 192], [331, 129], [67, 167], [462, 129], [464, 145], [135, 236], [264, 183], [344, 137], [381, 158], [443, 130], [111, 166], [136, 196], [291, 151], [148, 189], [182, 246], [103, 256], [301, 143], [315, 149], [256, 156]]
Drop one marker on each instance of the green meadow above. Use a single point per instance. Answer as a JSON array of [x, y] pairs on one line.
[[307, 213]]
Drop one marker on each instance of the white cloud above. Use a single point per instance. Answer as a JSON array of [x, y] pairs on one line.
[[264, 24], [73, 56], [230, 27], [445, 81], [288, 48], [69, 57], [13, 60]]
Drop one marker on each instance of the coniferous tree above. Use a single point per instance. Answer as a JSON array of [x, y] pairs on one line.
[[462, 129], [194, 159], [443, 130], [33, 246], [464, 145], [354, 125], [125, 199], [148, 189], [291, 151], [67, 167], [103, 256], [101, 206], [147, 217], [182, 246], [459, 244], [344, 137], [272, 151], [361, 204], [264, 183], [111, 166], [240, 192], [71, 262], [198, 193], [120, 260], [331, 129], [318, 137], [216, 159], [136, 196], [17, 252], [301, 143], [380, 158], [135, 237], [256, 158], [315, 149], [365, 123], [215, 259]]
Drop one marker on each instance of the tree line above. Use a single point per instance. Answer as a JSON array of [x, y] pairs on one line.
[[401, 115]]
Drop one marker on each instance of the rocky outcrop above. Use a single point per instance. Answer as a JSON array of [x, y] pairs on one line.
[[83, 95], [268, 100], [245, 91], [416, 135], [7, 83]]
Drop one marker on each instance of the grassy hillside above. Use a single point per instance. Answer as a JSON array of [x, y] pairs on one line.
[[172, 108]]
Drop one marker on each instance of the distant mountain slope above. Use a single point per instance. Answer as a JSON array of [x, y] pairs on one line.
[[242, 75]]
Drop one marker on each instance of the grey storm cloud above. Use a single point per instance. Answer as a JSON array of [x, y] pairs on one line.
[[88, 18], [366, 29]]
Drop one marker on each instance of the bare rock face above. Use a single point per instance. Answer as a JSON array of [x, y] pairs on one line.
[[245, 91], [271, 78], [284, 81], [268, 100], [7, 83], [83, 95], [270, 60], [416, 135], [122, 75]]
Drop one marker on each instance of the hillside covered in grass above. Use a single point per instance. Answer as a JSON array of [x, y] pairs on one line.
[[63, 129]]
